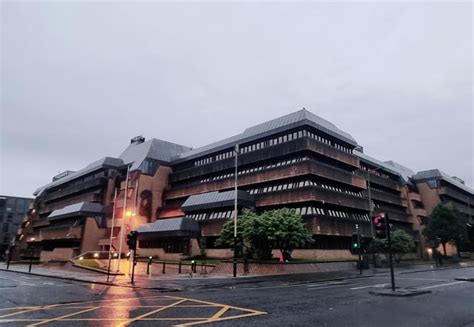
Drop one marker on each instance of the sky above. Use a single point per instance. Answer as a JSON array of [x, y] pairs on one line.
[[79, 79]]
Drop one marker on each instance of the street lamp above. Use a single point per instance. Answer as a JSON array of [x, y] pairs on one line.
[[371, 209], [235, 209], [124, 212]]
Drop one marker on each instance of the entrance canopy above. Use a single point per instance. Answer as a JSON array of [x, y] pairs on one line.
[[183, 227]]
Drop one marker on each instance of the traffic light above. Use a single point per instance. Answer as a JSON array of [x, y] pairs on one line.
[[355, 243], [379, 226], [132, 240]]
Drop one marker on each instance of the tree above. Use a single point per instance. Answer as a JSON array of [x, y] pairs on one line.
[[444, 225], [402, 243], [260, 234], [203, 247]]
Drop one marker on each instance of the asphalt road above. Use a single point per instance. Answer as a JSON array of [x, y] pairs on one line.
[[293, 301]]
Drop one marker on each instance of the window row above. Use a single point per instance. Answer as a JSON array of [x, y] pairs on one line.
[[212, 215], [255, 169], [268, 143], [301, 184], [374, 171], [306, 211]]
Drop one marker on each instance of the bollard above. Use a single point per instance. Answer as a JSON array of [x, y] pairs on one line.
[[179, 267], [164, 267], [148, 266], [31, 262]]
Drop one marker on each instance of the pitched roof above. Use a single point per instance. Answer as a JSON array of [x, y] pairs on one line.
[[281, 124], [435, 174], [174, 226], [216, 200], [104, 162], [156, 149], [78, 209], [383, 165], [405, 172]]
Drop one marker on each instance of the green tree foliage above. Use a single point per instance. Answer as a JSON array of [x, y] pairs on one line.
[[203, 247], [402, 243], [444, 225], [282, 229]]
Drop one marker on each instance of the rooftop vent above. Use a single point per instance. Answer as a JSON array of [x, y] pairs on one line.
[[458, 179], [137, 139], [63, 174]]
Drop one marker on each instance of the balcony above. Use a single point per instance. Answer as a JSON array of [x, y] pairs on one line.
[[35, 237], [303, 168], [382, 181], [280, 150], [58, 233], [40, 223], [386, 197], [67, 191], [326, 225], [311, 194], [420, 212], [88, 197], [414, 197], [449, 192]]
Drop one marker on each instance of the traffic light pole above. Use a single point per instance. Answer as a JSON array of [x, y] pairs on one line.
[[359, 248], [389, 240], [133, 265]]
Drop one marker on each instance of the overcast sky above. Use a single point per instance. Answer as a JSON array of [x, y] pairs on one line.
[[79, 79]]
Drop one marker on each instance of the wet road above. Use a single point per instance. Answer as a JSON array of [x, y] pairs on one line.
[[37, 301]]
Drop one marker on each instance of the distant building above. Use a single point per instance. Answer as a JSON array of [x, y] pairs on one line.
[[12, 212], [174, 195], [435, 186]]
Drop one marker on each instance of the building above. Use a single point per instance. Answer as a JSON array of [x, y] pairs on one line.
[[435, 186], [12, 212], [174, 195]]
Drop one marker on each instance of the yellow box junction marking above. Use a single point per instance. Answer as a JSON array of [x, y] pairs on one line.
[[24, 314]]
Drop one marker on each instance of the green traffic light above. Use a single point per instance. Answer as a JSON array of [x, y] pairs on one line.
[[355, 245]]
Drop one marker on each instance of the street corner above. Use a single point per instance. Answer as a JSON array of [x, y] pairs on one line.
[[399, 292], [465, 279]]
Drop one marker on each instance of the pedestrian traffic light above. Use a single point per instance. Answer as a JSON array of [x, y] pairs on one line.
[[379, 222], [132, 240]]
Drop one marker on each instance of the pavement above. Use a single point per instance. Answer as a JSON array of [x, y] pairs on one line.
[[322, 299]]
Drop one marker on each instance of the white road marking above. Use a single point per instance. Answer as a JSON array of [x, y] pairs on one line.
[[325, 284], [440, 285], [412, 278], [368, 286]]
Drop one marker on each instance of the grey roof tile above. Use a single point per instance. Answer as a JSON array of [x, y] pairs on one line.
[[386, 167], [156, 149], [434, 174], [170, 225], [281, 124], [104, 162], [216, 199], [78, 209]]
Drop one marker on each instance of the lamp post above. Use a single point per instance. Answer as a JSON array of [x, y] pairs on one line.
[[235, 209], [111, 234], [124, 211], [371, 209]]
